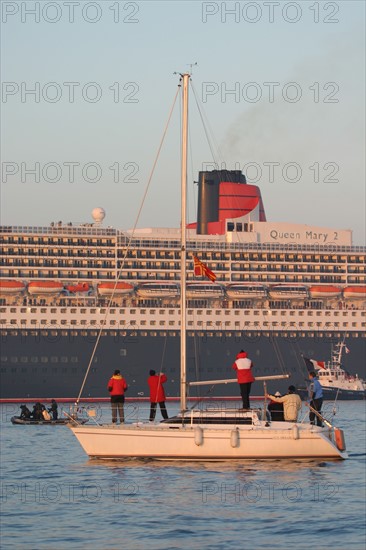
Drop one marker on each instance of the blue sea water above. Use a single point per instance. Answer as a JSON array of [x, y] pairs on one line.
[[54, 497]]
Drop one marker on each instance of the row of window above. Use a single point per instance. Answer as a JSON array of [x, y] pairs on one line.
[[100, 250], [134, 335], [175, 266], [162, 323], [154, 312], [41, 359], [132, 276]]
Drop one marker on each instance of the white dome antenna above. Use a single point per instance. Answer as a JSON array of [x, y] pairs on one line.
[[98, 215]]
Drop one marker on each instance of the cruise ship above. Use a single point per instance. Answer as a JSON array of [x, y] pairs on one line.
[[282, 291]]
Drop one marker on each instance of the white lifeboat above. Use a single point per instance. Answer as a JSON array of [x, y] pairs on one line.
[[112, 288], [325, 291], [204, 291], [11, 287], [288, 292], [358, 292], [158, 290], [241, 291], [45, 287]]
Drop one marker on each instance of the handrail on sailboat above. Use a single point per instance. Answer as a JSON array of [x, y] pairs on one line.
[[321, 417]]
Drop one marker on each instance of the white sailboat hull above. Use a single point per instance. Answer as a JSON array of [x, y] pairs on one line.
[[213, 442]]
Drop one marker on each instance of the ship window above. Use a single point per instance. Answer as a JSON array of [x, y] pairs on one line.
[[230, 226]]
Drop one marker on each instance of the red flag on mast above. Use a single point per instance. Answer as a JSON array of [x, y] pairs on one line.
[[201, 269]]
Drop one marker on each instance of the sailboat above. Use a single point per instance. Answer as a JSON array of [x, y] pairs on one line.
[[208, 434]]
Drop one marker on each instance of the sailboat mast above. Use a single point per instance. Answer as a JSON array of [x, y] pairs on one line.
[[183, 257]]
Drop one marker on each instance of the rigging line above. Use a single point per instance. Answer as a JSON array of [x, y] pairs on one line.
[[276, 347], [163, 354], [204, 125], [192, 174], [300, 362], [200, 399], [279, 355], [208, 125], [197, 369], [129, 245]]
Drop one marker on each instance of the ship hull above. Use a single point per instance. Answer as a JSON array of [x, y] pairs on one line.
[[36, 365]]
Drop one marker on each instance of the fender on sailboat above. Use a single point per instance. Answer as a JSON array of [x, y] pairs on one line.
[[198, 436], [234, 438], [339, 439]]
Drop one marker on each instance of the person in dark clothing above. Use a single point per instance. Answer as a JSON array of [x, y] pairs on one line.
[[276, 409], [37, 413], [316, 398], [157, 394], [53, 410], [25, 412], [117, 386]]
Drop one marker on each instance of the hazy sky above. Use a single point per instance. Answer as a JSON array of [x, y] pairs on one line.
[[87, 88]]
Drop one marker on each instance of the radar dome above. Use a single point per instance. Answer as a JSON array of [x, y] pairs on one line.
[[98, 214]]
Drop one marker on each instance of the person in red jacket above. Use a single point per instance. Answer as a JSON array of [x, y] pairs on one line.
[[157, 394], [117, 386], [243, 366]]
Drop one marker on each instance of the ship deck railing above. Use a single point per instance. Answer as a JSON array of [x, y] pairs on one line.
[[198, 242]]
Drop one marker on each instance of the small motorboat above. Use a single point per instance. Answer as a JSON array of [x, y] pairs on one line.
[[58, 422]]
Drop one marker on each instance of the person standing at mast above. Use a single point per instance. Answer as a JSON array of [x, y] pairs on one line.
[[157, 394], [243, 366]]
